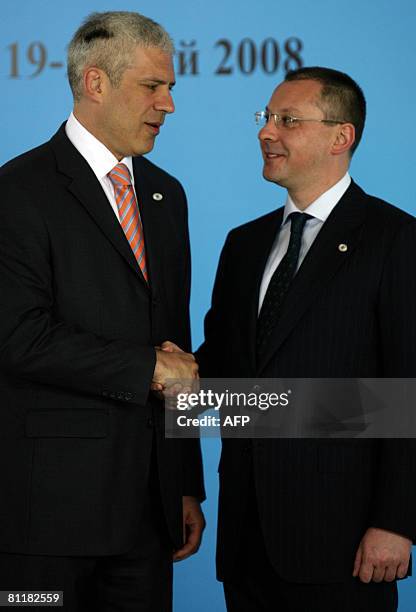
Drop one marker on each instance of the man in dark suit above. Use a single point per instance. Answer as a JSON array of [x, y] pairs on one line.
[[95, 277], [322, 288]]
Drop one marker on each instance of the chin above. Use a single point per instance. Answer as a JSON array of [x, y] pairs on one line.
[[272, 178], [269, 175], [145, 148]]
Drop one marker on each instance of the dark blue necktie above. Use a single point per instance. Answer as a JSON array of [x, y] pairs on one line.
[[280, 282]]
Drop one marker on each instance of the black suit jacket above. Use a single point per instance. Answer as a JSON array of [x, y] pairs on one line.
[[78, 324], [348, 314]]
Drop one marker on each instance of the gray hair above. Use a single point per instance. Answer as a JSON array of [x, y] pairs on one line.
[[107, 40]]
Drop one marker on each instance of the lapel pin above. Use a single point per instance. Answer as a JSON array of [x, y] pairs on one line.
[[342, 247], [157, 197]]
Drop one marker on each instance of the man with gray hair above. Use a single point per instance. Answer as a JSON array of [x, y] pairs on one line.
[[94, 260]]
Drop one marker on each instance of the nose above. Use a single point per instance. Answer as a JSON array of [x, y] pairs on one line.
[[269, 131], [164, 102]]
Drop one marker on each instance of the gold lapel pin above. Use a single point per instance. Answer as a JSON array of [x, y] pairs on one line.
[[342, 247], [157, 197]]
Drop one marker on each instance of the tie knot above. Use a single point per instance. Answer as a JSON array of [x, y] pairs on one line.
[[297, 221], [120, 175]]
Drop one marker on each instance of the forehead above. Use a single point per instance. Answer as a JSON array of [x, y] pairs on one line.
[[295, 95], [151, 62]]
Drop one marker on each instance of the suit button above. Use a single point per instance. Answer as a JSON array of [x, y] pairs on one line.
[[247, 448], [150, 422], [128, 396]]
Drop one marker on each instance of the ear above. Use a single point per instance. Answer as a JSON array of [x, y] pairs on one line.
[[95, 82], [345, 138]]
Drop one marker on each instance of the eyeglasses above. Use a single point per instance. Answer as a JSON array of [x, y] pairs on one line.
[[287, 121]]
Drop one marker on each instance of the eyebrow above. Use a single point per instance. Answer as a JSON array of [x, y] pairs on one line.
[[290, 109], [157, 81]]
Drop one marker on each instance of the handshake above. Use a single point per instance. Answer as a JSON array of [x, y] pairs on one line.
[[175, 371]]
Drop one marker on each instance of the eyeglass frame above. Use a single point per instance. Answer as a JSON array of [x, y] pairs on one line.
[[278, 122]]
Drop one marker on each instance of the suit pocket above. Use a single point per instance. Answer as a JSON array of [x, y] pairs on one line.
[[67, 424]]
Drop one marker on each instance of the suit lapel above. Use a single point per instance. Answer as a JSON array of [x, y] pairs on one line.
[[86, 188], [257, 251], [151, 212], [322, 262]]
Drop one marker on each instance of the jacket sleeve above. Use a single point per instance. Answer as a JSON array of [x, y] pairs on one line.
[[209, 355], [34, 344], [395, 496]]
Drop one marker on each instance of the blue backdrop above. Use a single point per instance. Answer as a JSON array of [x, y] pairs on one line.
[[230, 57]]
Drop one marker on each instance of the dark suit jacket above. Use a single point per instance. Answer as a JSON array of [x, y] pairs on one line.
[[78, 324], [347, 314]]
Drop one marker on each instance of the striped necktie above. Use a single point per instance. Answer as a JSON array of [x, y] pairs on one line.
[[280, 282], [129, 214]]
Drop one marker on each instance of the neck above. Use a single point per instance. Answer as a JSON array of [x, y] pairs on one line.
[[84, 118], [304, 197], [90, 123]]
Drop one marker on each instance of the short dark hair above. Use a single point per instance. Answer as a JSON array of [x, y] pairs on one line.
[[341, 97]]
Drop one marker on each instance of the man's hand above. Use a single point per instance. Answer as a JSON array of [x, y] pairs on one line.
[[382, 555], [193, 526], [171, 347], [172, 363]]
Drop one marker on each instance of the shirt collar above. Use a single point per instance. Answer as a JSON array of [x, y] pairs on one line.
[[322, 207], [93, 150]]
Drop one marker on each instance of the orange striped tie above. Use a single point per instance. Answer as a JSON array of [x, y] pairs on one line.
[[129, 214]]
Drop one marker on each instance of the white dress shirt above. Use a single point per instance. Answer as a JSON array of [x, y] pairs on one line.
[[320, 210], [97, 156]]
